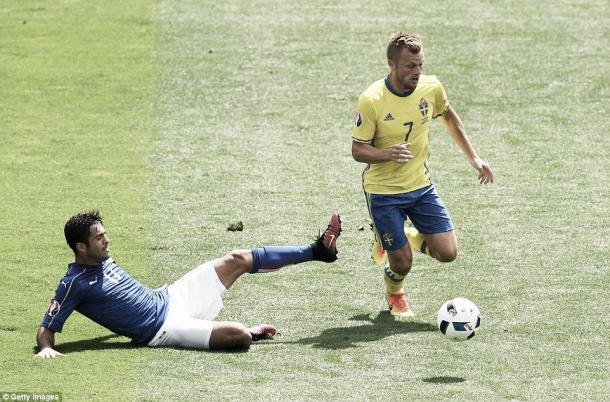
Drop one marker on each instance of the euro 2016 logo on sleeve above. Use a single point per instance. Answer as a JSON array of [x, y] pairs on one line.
[[53, 308], [423, 107], [358, 120]]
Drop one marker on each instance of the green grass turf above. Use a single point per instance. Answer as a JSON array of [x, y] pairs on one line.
[[75, 104], [253, 106]]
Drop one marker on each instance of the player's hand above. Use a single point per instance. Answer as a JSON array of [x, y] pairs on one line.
[[48, 353], [400, 153], [485, 173]]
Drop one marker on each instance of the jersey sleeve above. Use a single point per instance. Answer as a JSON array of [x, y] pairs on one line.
[[67, 298], [365, 125], [441, 103]]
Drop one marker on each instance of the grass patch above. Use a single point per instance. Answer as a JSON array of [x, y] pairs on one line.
[[75, 100]]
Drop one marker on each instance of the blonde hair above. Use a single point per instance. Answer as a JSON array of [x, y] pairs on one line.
[[403, 40]]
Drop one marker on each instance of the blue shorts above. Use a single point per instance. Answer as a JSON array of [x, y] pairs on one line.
[[423, 207]]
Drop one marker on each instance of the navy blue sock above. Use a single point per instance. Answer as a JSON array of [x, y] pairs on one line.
[[267, 259]]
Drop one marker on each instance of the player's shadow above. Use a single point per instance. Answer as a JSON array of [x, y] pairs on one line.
[[373, 330], [99, 343]]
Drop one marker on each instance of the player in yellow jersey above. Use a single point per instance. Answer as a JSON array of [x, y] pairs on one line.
[[391, 137]]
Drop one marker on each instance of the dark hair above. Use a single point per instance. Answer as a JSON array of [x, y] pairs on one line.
[[403, 40], [77, 228]]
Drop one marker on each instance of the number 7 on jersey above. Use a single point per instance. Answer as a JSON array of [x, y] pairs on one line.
[[410, 125]]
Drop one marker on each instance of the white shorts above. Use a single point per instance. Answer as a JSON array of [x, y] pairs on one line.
[[194, 301]]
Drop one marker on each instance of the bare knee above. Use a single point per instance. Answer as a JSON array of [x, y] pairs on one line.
[[230, 336], [238, 259], [446, 255], [443, 246], [233, 265]]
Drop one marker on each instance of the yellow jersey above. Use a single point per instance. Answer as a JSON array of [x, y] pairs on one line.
[[385, 118]]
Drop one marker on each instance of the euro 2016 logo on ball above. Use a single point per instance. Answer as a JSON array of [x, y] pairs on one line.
[[459, 319]]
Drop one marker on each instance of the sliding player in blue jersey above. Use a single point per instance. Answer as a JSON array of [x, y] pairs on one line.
[[180, 315], [391, 137]]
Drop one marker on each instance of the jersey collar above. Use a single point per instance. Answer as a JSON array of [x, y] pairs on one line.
[[102, 264], [393, 91]]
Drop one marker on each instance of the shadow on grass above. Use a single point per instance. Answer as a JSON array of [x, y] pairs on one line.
[[443, 380], [102, 343], [99, 343], [383, 325], [375, 329]]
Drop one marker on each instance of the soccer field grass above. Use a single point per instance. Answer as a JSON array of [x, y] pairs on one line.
[[176, 119]]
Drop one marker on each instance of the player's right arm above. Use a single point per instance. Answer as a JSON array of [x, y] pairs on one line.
[[67, 297], [363, 135], [45, 338], [367, 153]]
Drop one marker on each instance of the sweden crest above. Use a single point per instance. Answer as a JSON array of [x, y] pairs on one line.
[[423, 107]]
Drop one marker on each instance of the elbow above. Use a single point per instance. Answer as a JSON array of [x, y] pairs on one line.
[[357, 154]]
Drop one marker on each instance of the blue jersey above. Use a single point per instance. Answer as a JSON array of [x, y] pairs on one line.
[[108, 295]]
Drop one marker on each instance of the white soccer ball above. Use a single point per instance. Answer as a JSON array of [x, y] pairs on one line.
[[459, 319]]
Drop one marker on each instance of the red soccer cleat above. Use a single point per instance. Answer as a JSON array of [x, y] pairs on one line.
[[263, 331], [399, 308], [325, 247]]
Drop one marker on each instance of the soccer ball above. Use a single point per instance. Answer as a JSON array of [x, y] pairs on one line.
[[459, 319]]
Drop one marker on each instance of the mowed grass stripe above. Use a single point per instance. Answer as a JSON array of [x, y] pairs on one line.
[[77, 84]]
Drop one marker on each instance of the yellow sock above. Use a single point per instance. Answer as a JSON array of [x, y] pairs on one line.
[[394, 282], [416, 240], [378, 254]]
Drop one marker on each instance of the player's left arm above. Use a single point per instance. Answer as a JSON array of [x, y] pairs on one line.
[[454, 126]]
